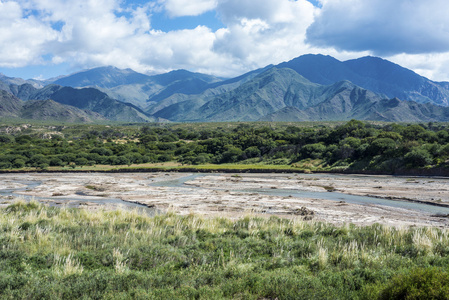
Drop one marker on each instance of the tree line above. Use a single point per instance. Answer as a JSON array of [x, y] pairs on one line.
[[355, 144]]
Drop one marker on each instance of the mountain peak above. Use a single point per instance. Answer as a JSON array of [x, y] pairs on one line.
[[103, 77], [372, 73]]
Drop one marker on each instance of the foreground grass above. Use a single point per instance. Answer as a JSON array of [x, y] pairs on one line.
[[60, 253]]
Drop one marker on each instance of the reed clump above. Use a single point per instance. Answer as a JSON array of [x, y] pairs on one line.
[[49, 252]]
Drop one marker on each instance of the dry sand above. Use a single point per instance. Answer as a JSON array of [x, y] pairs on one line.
[[227, 195]]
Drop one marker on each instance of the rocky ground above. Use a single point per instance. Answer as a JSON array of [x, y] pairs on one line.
[[236, 195]]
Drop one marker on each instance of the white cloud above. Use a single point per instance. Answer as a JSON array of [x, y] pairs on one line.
[[270, 32], [91, 30], [434, 66], [22, 38], [179, 8], [89, 33], [102, 32], [384, 27]]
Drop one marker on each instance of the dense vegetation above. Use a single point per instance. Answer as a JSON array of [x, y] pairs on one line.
[[353, 145], [60, 253]]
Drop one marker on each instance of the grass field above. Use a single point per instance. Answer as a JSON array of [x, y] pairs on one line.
[[60, 253]]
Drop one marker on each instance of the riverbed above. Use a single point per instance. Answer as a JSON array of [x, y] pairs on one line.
[[338, 199]]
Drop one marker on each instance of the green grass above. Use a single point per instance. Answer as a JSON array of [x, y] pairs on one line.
[[61, 253]]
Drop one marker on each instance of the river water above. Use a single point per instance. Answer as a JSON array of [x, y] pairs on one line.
[[181, 182], [332, 196], [71, 201]]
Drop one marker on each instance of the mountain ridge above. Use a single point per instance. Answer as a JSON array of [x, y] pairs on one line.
[[372, 73], [309, 87]]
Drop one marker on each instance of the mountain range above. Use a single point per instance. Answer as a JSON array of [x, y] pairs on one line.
[[307, 88]]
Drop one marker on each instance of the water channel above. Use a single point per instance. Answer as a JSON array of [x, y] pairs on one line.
[[181, 182], [332, 196], [70, 201]]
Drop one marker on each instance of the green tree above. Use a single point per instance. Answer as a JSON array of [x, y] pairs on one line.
[[38, 160], [6, 138], [313, 151], [412, 132], [252, 152], [380, 146], [418, 158], [19, 163], [232, 154]]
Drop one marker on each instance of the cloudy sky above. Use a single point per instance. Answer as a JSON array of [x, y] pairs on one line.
[[46, 38]]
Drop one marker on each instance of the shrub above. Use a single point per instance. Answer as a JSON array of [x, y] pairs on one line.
[[312, 151], [5, 165], [419, 283], [418, 158], [18, 163]]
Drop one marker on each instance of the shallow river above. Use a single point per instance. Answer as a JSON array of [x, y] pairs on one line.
[[333, 196], [81, 199]]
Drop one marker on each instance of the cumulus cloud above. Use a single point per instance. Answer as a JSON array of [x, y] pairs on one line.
[[269, 32], [90, 33], [179, 8], [22, 37], [384, 27]]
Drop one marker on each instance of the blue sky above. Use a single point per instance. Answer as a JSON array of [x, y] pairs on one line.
[[47, 38]]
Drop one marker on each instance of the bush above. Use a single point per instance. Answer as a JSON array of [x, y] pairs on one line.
[[5, 165], [313, 151], [232, 154], [56, 162], [420, 283], [6, 138], [202, 158], [418, 158], [381, 146], [102, 151], [81, 161], [19, 163], [164, 158], [38, 160]]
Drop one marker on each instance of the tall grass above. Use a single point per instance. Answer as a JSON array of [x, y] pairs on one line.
[[48, 252]]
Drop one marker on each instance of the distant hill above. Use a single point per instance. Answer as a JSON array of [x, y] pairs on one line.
[[103, 77], [12, 107], [372, 73], [213, 89], [93, 100], [19, 81], [136, 88], [9, 105], [50, 110]]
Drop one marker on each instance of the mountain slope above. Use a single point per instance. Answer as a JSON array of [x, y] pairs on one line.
[[213, 89], [267, 93], [94, 100], [372, 73], [284, 95], [382, 76], [136, 88], [387, 110], [19, 81], [53, 111], [9, 105], [14, 108], [103, 77]]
